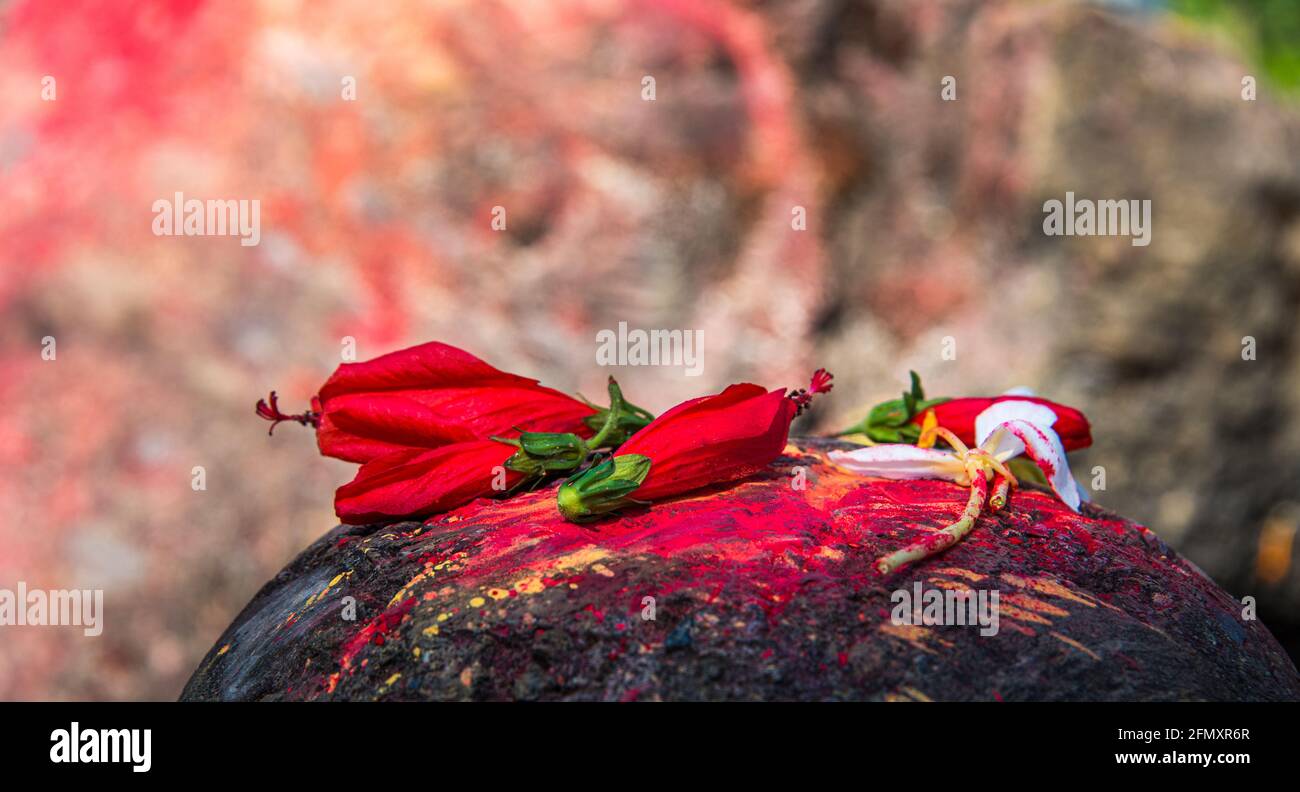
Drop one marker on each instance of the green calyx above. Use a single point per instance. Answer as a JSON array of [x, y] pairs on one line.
[[891, 421], [628, 418], [545, 452], [542, 453], [603, 488]]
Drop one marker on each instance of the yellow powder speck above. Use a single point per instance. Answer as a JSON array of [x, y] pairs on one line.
[[916, 694], [1075, 644], [960, 572], [581, 558], [532, 585], [444, 616], [477, 602], [393, 678], [601, 569], [223, 650], [432, 630], [498, 593]]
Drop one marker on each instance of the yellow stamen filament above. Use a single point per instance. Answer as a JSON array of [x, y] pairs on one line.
[[997, 465], [952, 440]]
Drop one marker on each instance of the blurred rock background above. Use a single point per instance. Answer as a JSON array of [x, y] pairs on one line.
[[924, 221]]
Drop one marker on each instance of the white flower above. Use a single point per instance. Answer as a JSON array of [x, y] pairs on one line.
[[1004, 431]]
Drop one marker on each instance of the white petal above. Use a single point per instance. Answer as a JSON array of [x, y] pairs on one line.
[[900, 461], [1043, 446], [1020, 390], [1012, 410]]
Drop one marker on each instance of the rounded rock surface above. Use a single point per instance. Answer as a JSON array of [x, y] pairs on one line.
[[760, 590]]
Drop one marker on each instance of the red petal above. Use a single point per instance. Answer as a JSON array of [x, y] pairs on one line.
[[360, 427], [711, 440], [431, 395], [431, 365], [734, 394], [416, 483]]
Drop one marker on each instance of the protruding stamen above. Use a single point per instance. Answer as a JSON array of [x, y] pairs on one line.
[[820, 383], [269, 409], [952, 440], [992, 463]]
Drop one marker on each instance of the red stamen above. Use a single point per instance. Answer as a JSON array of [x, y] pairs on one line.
[[821, 383], [270, 411]]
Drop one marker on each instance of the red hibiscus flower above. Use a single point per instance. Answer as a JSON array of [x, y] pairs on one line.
[[419, 482], [958, 416], [430, 396], [704, 441], [415, 482], [900, 420]]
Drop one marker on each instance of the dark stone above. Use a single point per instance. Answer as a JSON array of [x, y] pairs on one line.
[[761, 591]]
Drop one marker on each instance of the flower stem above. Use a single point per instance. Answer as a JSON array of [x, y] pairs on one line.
[[946, 537], [611, 420]]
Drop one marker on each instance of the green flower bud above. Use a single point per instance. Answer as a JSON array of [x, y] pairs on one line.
[[603, 488], [545, 452], [542, 453]]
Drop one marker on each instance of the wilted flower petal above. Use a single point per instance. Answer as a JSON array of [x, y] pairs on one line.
[[900, 461]]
